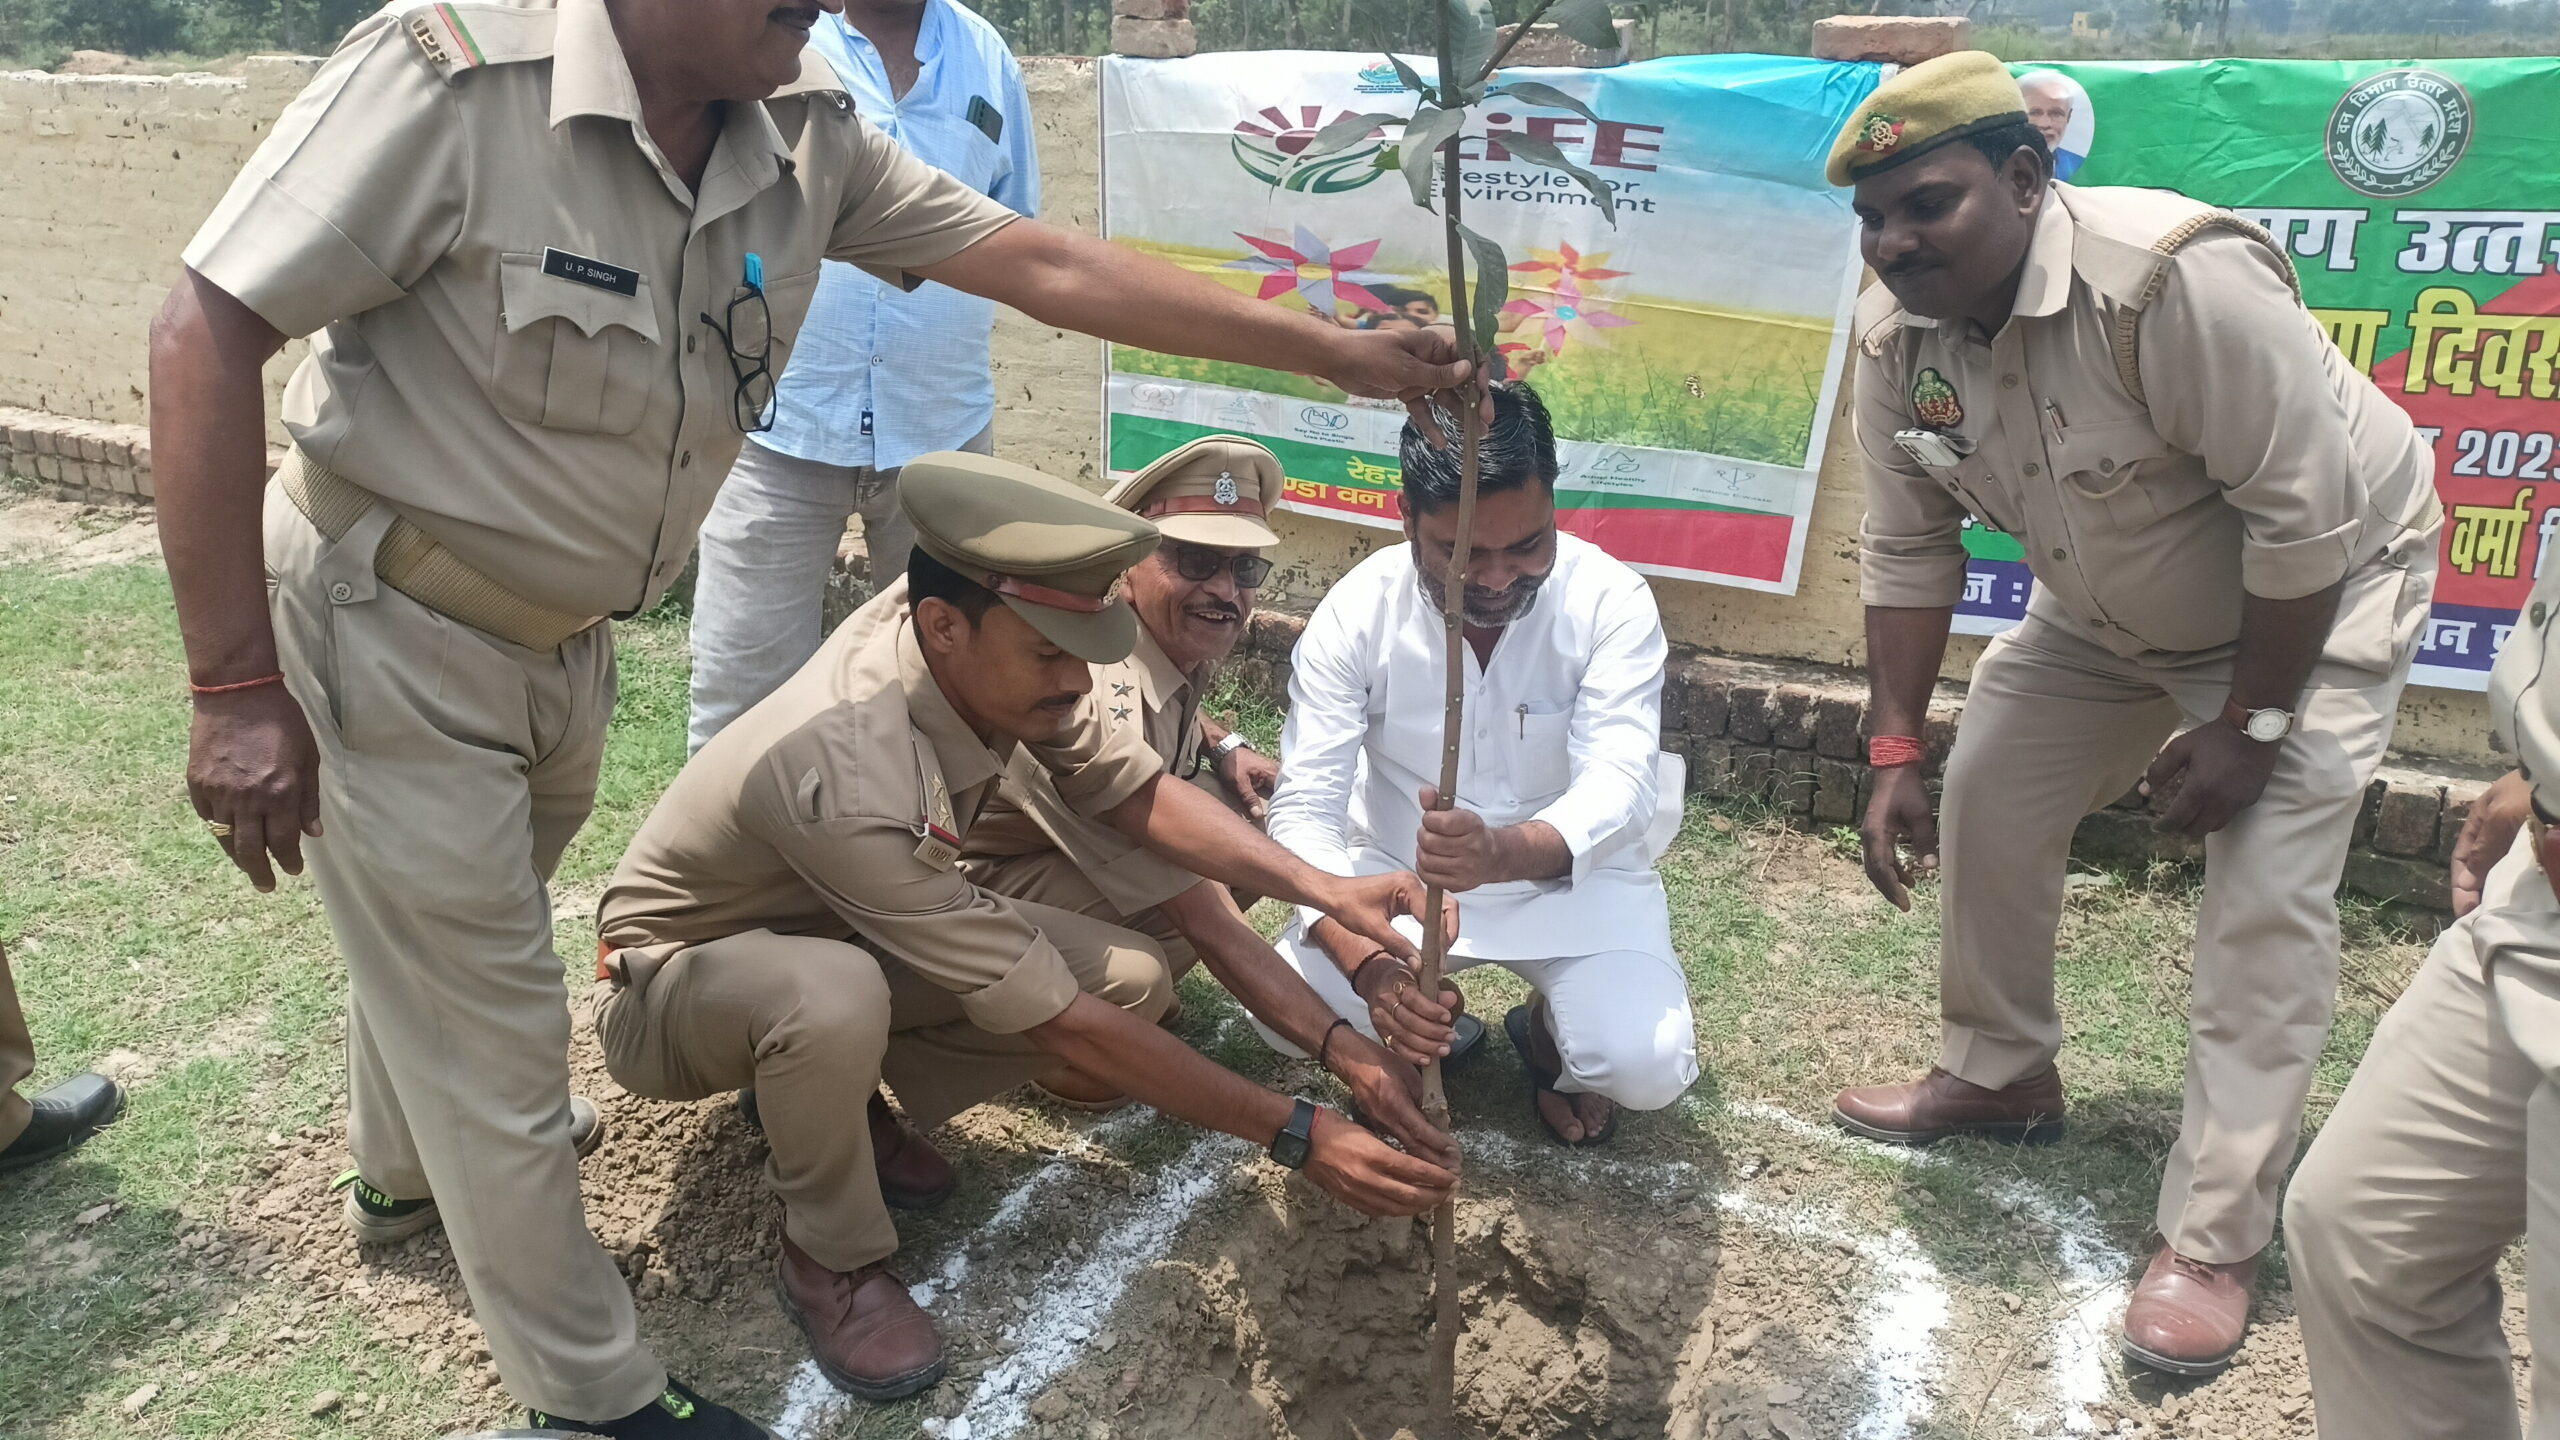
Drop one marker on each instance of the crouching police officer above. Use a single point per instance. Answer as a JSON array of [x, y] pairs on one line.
[[2233, 539], [793, 915], [556, 251]]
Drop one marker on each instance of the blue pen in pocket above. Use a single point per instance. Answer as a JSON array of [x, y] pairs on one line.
[[755, 270]]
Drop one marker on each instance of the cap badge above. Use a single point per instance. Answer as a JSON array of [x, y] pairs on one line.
[[1881, 133], [1934, 402], [1225, 490]]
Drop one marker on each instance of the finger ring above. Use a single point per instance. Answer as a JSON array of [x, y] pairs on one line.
[[220, 830]]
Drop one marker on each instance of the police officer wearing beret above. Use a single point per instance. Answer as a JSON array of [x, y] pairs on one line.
[[553, 254], [793, 915], [2233, 539]]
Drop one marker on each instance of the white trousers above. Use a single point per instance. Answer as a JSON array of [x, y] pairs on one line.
[[771, 536], [1621, 1017]]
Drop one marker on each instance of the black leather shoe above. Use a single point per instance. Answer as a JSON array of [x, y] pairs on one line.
[[64, 1116], [679, 1414]]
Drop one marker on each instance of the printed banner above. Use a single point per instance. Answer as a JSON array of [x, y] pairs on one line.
[[1690, 355], [2421, 209]]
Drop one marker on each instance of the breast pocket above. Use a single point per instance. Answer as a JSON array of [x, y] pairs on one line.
[[574, 357], [2112, 465], [1541, 748]]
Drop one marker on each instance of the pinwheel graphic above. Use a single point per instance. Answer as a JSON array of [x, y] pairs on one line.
[[1320, 274], [1561, 302]]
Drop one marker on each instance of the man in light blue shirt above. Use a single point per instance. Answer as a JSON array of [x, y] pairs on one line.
[[879, 376]]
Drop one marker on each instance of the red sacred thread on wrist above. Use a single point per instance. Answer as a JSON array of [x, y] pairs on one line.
[[1886, 751], [275, 679]]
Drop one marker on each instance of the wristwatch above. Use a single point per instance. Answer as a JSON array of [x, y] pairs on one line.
[[1296, 1140], [1234, 742], [2264, 726]]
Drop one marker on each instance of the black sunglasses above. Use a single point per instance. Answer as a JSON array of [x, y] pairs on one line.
[[752, 404], [1199, 564]]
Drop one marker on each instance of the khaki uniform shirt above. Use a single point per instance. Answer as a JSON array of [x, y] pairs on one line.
[[2524, 693], [2262, 462], [510, 281], [1028, 815], [837, 808]]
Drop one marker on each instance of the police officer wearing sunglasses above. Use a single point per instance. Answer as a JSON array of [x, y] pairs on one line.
[[1211, 499]]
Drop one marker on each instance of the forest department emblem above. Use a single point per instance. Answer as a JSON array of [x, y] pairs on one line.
[[2398, 132]]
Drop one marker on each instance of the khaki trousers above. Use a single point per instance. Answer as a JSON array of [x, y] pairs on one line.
[[17, 1059], [2056, 726], [455, 767], [2444, 1150], [815, 1026]]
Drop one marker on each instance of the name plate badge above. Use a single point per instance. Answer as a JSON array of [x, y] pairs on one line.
[[616, 278]]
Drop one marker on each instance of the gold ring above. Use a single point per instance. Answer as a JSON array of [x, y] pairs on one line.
[[219, 829]]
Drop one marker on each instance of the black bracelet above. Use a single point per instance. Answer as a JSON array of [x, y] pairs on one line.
[[1324, 1047], [1372, 958]]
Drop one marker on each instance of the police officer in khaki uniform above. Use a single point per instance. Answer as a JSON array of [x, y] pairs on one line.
[[555, 252], [793, 915], [2233, 539], [2445, 1148]]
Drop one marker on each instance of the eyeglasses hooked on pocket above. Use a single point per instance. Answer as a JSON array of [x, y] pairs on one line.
[[1930, 448]]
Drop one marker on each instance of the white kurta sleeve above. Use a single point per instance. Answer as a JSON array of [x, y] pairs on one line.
[[1320, 744], [1616, 731]]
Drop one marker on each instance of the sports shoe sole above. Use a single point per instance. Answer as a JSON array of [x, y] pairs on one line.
[[373, 1230], [2018, 1132], [2184, 1369], [897, 1387]]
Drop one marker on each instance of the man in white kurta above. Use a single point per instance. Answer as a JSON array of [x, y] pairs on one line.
[[1565, 798]]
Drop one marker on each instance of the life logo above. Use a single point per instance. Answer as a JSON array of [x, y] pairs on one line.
[[1268, 147], [1323, 424], [2398, 132]]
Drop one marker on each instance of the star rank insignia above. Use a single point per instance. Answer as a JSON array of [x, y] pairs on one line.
[[1225, 490], [1121, 687], [1119, 712]]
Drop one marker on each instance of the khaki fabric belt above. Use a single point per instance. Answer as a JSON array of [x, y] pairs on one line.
[[418, 567]]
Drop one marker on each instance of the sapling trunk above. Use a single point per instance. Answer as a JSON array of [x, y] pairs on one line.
[[1446, 1321]]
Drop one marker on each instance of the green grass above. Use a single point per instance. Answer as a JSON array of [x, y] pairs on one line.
[[128, 934]]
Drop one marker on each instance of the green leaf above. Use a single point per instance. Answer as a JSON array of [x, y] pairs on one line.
[[1588, 21], [1411, 77], [1548, 96], [1422, 140], [1540, 152], [1389, 156], [1344, 133], [1492, 289], [1473, 33]]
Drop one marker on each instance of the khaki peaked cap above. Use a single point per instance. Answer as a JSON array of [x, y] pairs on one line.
[[1931, 104], [1053, 552], [1217, 490]]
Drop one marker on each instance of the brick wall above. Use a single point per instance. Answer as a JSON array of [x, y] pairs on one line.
[[1794, 736]]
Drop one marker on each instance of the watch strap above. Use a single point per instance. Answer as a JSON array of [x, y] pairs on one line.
[[1296, 1140], [1233, 742]]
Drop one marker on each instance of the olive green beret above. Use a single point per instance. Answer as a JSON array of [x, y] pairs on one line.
[[1053, 552], [1924, 107], [1218, 490]]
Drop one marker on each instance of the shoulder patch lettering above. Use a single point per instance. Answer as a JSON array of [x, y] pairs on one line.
[[458, 39]]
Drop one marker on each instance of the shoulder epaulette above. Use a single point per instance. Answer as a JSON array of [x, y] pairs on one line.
[[457, 39]]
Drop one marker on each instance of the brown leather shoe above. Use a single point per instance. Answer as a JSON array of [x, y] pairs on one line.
[[913, 1175], [1937, 1105], [867, 1334], [2188, 1317]]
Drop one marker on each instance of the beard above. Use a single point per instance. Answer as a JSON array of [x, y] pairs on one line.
[[1484, 609]]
